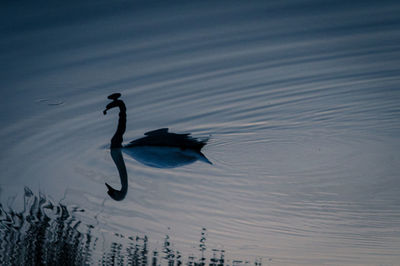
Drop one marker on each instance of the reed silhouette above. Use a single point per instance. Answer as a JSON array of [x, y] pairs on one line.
[[43, 233], [47, 233]]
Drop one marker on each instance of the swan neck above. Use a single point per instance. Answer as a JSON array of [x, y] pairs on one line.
[[116, 140]]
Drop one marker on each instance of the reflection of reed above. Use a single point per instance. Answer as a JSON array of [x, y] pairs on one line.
[[44, 233]]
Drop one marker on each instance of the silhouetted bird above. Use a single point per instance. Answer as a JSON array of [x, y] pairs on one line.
[[159, 148], [160, 137]]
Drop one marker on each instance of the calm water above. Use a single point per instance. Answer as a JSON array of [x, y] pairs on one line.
[[300, 100]]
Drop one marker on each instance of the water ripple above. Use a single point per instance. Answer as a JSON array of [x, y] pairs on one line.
[[300, 101]]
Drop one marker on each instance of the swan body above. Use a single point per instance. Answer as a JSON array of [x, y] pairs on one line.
[[162, 149], [162, 138]]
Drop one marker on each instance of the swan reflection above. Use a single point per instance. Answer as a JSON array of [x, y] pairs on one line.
[[164, 157], [118, 159], [159, 148]]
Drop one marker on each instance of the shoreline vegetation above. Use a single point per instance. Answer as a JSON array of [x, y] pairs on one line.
[[44, 233]]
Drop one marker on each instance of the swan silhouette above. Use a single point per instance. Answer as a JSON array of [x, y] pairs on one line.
[[159, 148]]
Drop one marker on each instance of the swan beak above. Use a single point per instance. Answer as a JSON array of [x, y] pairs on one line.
[[109, 187], [115, 194]]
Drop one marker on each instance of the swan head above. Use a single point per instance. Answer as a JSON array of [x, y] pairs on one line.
[[114, 96], [117, 195]]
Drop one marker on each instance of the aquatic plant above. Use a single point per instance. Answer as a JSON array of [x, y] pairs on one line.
[[45, 233]]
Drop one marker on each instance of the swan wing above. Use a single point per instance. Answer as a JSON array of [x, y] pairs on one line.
[[157, 132]]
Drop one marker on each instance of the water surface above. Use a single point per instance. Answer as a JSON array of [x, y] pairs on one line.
[[300, 100]]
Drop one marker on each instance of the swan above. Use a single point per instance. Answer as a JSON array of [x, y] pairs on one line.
[[160, 137], [159, 148]]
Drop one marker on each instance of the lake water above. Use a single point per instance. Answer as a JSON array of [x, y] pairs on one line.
[[300, 101]]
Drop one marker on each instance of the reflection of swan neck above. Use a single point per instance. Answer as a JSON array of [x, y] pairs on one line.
[[119, 162]]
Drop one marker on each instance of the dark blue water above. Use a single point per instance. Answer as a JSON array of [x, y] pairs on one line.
[[300, 101]]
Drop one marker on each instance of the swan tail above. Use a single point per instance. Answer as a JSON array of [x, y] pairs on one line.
[[203, 158]]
